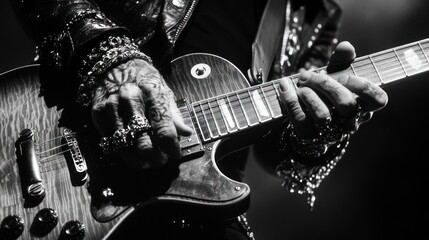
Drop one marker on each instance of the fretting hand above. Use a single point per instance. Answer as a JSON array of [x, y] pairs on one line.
[[317, 99]]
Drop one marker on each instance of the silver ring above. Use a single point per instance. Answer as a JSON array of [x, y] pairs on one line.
[[123, 138], [139, 124], [118, 140]]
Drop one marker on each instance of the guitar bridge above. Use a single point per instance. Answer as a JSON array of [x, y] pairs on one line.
[[75, 160]]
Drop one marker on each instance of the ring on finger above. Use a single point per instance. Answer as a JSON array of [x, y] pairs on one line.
[[117, 141], [138, 125]]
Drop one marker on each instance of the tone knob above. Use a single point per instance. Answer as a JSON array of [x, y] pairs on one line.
[[11, 227], [72, 230], [44, 221]]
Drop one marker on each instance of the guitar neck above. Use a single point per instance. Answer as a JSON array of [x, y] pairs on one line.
[[224, 115], [389, 66]]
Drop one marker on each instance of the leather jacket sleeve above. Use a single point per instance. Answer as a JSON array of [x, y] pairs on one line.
[[62, 29]]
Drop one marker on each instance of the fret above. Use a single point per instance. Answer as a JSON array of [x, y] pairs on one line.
[[254, 106], [266, 101], [238, 110], [375, 68], [202, 123], [208, 120], [364, 68], [424, 53], [260, 107], [424, 45], [388, 66], [216, 125], [353, 69], [413, 59], [275, 98], [248, 107], [242, 108], [187, 118], [229, 121], [233, 113], [271, 114], [400, 62]]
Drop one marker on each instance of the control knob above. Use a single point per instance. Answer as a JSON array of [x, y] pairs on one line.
[[72, 230], [11, 227]]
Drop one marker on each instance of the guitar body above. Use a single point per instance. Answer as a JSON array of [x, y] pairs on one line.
[[21, 108], [194, 184]]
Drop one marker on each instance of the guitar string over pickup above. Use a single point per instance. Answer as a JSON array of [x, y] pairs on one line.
[[32, 186]]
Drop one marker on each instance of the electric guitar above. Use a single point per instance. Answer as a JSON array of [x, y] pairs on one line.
[[54, 182]]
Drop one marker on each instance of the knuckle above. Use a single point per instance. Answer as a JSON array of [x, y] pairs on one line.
[[346, 106], [379, 96], [344, 79], [144, 144], [110, 103], [166, 133], [297, 114]]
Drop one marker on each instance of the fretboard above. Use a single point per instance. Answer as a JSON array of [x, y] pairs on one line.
[[229, 113]]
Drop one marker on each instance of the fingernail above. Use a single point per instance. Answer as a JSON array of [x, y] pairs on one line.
[[285, 84], [304, 76]]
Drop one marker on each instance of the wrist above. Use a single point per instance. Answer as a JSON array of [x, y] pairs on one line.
[[108, 54], [307, 162]]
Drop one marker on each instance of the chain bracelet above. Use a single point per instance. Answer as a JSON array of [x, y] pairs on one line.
[[303, 174]]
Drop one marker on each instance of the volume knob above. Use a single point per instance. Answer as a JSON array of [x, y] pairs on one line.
[[44, 221], [11, 227], [72, 230]]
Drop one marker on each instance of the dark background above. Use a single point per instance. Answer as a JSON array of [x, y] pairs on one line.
[[377, 190]]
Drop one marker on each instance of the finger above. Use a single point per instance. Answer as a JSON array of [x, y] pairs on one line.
[[158, 109], [131, 102], [371, 97], [294, 110], [315, 106], [342, 57], [181, 128], [338, 95], [105, 115]]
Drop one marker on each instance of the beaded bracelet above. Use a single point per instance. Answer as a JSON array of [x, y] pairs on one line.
[[110, 52], [303, 172]]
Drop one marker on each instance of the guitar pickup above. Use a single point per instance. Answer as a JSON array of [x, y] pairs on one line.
[[32, 186]]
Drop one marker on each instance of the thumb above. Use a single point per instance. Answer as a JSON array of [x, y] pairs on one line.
[[342, 57]]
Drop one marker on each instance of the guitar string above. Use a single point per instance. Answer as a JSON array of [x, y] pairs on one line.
[[362, 70], [369, 68], [44, 158], [212, 118], [54, 148], [53, 139]]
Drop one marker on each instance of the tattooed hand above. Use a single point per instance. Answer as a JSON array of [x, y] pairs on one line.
[[137, 88]]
